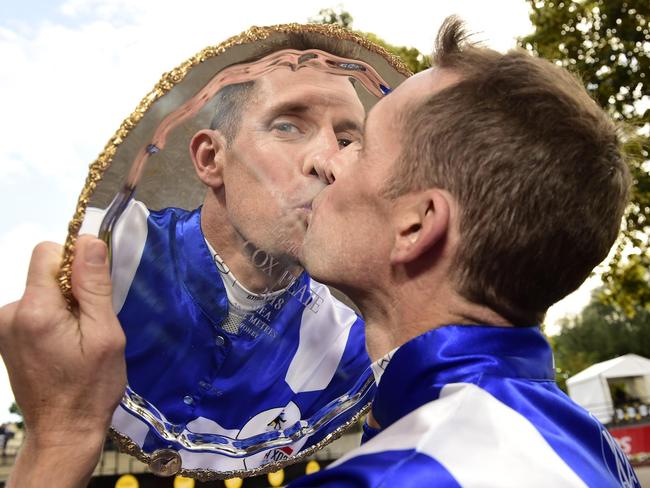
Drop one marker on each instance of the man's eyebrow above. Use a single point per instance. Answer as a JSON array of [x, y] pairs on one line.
[[306, 103], [289, 108], [350, 125]]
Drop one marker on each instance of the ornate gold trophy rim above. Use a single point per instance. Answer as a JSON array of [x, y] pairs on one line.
[[127, 445], [103, 161]]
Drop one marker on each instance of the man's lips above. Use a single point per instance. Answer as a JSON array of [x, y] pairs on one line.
[[303, 212], [306, 206], [314, 205], [316, 201]]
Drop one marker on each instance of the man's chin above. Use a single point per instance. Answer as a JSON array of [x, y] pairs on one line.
[[309, 254], [291, 246]]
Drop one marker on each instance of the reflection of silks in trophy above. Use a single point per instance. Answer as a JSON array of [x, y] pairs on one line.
[[311, 370], [220, 449]]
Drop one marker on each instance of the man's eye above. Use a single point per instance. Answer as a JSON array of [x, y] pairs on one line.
[[286, 127], [344, 143], [347, 141]]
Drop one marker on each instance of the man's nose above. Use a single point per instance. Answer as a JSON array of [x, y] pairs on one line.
[[323, 148], [328, 166]]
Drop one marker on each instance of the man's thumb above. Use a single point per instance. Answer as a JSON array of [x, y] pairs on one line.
[[91, 281]]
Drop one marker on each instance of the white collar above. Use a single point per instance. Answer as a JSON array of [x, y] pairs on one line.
[[238, 295], [379, 366]]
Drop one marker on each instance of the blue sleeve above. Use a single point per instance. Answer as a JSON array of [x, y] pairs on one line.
[[368, 432], [405, 469]]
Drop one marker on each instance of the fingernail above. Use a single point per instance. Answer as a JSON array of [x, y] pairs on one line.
[[96, 253]]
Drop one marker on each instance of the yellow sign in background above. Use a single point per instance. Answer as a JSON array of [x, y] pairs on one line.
[[312, 467], [276, 478], [233, 483], [183, 482], [127, 481]]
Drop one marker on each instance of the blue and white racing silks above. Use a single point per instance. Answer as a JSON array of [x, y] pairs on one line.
[[300, 351], [477, 406]]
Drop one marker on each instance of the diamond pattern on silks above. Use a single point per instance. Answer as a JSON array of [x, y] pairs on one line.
[[231, 323]]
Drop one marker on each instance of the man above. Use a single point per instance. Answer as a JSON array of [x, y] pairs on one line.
[[6, 434], [213, 302], [485, 190]]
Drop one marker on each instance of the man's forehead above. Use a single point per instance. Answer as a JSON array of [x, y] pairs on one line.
[[384, 122], [309, 86], [425, 84], [414, 89]]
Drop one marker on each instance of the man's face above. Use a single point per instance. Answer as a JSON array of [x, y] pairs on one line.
[[292, 121], [351, 233]]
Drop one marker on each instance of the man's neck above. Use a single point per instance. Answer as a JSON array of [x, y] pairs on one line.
[[411, 309], [261, 273]]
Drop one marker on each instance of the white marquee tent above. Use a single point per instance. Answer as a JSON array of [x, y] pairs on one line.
[[591, 387]]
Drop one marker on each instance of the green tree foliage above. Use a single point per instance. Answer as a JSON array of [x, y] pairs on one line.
[[15, 409], [414, 59], [336, 16], [599, 333], [607, 43]]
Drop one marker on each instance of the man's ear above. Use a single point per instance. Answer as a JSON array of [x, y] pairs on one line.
[[207, 149], [422, 223]]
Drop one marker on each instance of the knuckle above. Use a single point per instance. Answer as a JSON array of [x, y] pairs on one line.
[[37, 313], [32, 316], [111, 351], [46, 252], [119, 341], [108, 336], [46, 247]]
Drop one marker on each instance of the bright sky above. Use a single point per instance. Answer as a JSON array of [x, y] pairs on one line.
[[71, 71]]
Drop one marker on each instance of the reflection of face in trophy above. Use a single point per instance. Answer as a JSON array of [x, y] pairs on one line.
[[268, 135], [237, 361]]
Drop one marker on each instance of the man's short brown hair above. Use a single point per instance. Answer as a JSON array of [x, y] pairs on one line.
[[534, 165]]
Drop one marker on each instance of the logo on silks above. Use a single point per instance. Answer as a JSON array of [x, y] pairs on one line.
[[277, 423], [274, 419], [281, 453], [617, 461]]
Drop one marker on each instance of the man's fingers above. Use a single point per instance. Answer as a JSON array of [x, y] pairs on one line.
[[91, 281], [44, 265]]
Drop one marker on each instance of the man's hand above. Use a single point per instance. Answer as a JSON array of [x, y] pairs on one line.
[[66, 368]]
